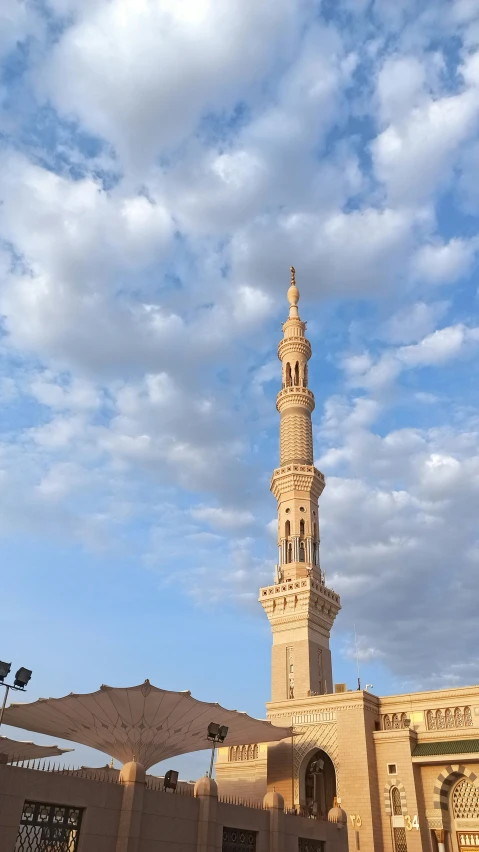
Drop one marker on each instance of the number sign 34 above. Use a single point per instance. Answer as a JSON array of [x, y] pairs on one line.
[[411, 822]]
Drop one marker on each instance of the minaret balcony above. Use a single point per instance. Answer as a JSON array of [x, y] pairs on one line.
[[295, 395], [304, 478], [289, 346]]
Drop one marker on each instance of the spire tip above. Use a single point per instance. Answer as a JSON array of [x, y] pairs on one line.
[[293, 292]]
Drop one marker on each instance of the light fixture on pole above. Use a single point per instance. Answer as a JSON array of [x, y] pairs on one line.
[[22, 678], [216, 734]]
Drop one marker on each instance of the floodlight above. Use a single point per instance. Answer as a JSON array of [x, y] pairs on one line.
[[221, 736], [213, 730], [170, 780], [22, 677], [4, 670]]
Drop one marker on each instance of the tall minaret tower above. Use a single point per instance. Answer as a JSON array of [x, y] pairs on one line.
[[300, 608]]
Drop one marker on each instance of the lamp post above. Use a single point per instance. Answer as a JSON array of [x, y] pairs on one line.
[[216, 734], [22, 677]]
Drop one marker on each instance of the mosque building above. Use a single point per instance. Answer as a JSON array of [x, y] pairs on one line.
[[405, 768]]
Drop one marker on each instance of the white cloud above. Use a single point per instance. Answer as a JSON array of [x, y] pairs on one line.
[[444, 263], [172, 62], [223, 518], [413, 322], [413, 157], [439, 347]]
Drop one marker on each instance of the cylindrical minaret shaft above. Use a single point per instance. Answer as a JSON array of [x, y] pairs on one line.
[[297, 496]]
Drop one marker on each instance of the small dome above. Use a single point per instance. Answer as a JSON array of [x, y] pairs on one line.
[[273, 800], [132, 773], [337, 816], [206, 787]]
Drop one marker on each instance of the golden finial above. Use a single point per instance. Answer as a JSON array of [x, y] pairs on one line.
[[293, 294]]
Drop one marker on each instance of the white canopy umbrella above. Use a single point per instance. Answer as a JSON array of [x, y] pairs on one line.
[[22, 750], [142, 723]]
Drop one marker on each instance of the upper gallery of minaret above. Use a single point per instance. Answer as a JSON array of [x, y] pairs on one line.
[[296, 484]]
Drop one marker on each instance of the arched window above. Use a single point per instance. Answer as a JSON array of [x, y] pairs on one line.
[[440, 721], [458, 718], [396, 801], [296, 373], [386, 723], [403, 720], [467, 717], [289, 380], [287, 529], [305, 376], [315, 537], [290, 553], [449, 718], [465, 802], [396, 721], [301, 527], [431, 720], [301, 551], [250, 752], [255, 752]]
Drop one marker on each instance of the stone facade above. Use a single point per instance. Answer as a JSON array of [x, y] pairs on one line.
[[405, 768]]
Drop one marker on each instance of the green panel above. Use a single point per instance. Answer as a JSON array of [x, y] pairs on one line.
[[446, 747]]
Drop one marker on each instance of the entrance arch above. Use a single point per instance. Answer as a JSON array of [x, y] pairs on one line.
[[464, 811], [317, 783]]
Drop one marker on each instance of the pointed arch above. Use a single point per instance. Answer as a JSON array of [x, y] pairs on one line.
[[388, 788], [305, 376], [289, 377], [446, 780]]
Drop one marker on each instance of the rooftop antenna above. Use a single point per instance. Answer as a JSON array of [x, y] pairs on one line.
[[357, 657]]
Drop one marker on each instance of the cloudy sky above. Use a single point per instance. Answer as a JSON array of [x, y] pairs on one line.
[[162, 164]]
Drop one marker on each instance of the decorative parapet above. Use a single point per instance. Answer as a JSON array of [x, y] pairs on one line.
[[313, 717], [297, 477], [449, 717], [306, 584], [295, 395]]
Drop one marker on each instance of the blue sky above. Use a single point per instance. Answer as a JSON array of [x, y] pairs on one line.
[[162, 164]]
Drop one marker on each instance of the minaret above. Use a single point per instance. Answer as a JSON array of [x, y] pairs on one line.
[[300, 608]]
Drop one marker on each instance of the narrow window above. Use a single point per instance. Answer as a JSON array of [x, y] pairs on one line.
[[301, 527], [305, 376], [301, 551], [287, 529], [289, 380], [396, 801], [296, 373]]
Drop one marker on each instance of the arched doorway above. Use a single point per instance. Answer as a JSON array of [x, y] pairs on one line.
[[464, 809], [319, 784]]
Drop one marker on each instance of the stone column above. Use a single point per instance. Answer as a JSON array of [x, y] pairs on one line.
[[133, 778], [440, 839], [208, 836], [274, 803]]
